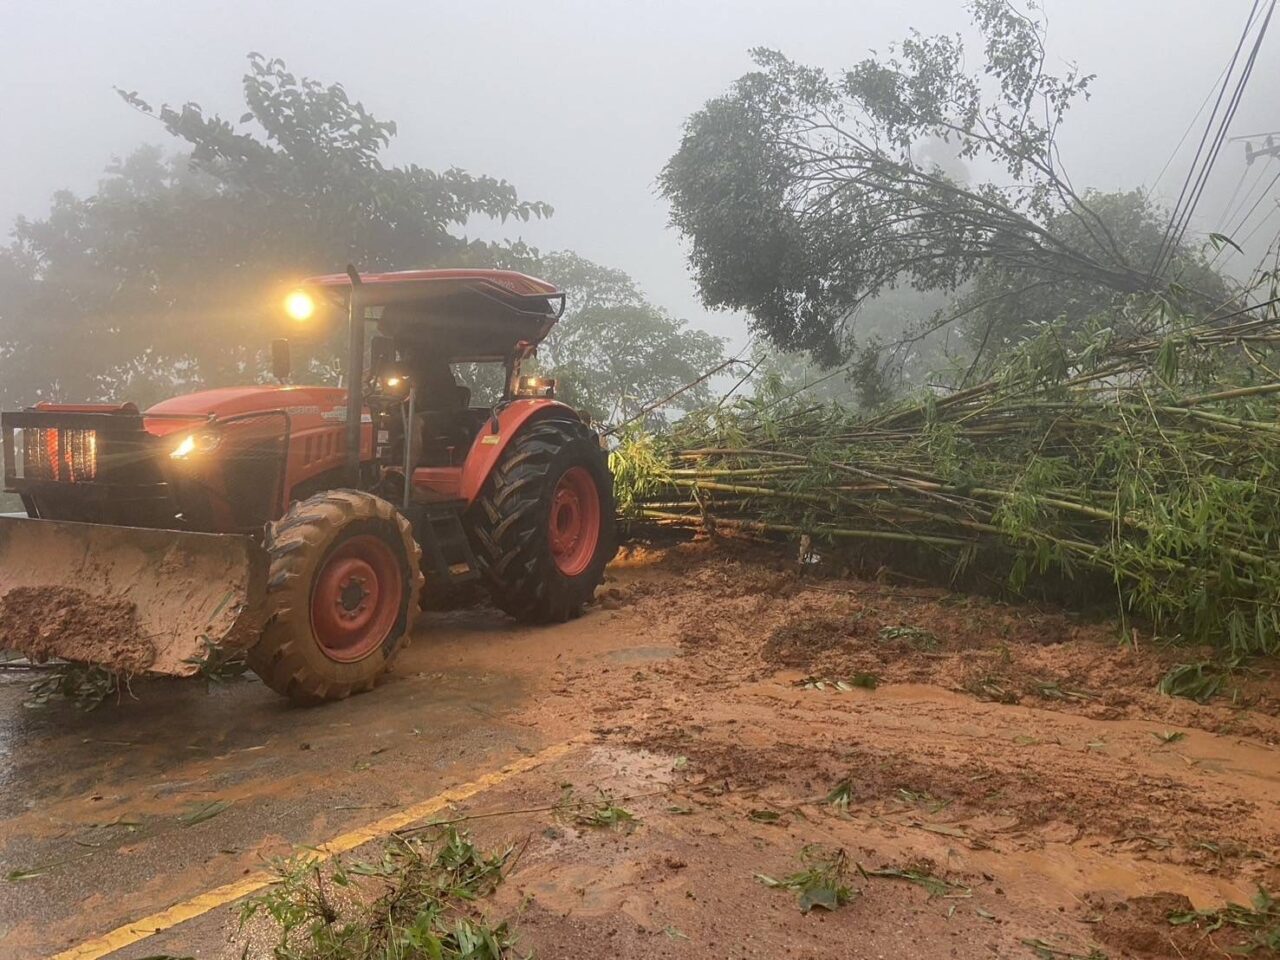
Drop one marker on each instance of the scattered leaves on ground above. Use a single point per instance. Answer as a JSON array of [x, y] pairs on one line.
[[821, 883], [201, 812], [1259, 922], [413, 903]]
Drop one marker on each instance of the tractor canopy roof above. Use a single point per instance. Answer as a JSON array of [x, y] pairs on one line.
[[462, 314]]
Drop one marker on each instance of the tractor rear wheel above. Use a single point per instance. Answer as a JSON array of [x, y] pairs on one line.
[[343, 589], [543, 526]]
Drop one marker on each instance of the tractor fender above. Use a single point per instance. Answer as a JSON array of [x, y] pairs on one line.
[[488, 446]]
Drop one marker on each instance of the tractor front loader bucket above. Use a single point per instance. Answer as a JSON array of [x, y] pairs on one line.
[[129, 599]]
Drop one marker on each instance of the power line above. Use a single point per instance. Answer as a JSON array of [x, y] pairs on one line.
[[1258, 202], [1203, 103], [1228, 211], [1211, 141], [1261, 223], [1230, 250], [1226, 76], [1202, 183], [1239, 224], [1185, 133]]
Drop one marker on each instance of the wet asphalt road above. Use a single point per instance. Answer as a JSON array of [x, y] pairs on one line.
[[110, 815]]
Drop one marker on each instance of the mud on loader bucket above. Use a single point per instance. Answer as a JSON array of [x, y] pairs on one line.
[[129, 599]]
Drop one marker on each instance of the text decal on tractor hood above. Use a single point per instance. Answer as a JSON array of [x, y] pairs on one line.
[[340, 414]]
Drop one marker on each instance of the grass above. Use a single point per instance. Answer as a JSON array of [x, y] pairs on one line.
[[416, 903], [841, 794], [1201, 681], [1044, 950], [858, 681], [917, 637], [922, 798], [217, 665]]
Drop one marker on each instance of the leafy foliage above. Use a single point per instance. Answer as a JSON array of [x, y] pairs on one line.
[[921, 877], [602, 810], [614, 351], [1200, 682], [1259, 922], [821, 881], [86, 686], [1006, 300], [170, 276], [806, 194], [1148, 462], [421, 912]]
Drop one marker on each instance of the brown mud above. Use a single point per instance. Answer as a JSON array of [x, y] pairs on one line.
[[1020, 754], [68, 623], [1018, 757]]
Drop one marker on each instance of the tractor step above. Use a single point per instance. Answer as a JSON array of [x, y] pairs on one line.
[[447, 547]]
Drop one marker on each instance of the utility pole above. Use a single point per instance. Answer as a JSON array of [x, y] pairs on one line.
[[1268, 148]]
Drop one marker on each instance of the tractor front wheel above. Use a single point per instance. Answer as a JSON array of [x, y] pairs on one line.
[[543, 526], [343, 587]]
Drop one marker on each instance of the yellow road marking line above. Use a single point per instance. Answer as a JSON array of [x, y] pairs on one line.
[[149, 926]]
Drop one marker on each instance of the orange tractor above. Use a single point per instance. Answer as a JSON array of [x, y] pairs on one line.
[[298, 524]]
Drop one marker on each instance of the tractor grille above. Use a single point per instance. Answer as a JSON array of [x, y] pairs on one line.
[[60, 453]]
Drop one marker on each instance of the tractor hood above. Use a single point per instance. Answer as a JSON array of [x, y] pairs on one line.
[[299, 402]]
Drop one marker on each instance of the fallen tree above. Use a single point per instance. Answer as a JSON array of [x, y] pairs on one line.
[[1149, 467]]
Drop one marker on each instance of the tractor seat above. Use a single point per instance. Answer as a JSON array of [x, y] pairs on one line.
[[445, 425]]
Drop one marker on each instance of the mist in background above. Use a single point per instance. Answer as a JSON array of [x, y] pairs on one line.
[[580, 104]]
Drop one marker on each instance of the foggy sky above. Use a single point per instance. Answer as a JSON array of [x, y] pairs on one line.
[[578, 103]]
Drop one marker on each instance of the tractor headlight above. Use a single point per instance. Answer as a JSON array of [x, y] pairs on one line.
[[300, 306], [196, 444], [394, 381], [536, 387]]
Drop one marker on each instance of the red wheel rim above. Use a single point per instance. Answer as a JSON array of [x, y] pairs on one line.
[[573, 528], [356, 599]]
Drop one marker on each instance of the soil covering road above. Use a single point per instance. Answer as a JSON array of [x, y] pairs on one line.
[[982, 780]]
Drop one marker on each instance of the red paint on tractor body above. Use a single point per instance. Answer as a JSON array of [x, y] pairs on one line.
[[315, 418], [465, 482], [573, 524], [356, 598]]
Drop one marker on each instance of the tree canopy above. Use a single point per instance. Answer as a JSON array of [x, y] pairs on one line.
[[613, 352], [1007, 300], [804, 194], [170, 274]]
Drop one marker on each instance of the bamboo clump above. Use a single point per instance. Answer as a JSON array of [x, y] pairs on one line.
[[1149, 467]]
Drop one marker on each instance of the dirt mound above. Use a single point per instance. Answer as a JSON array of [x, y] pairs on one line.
[[1166, 925], [994, 791], [800, 643], [66, 623], [742, 610]]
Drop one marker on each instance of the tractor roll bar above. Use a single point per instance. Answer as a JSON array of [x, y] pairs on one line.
[[355, 376]]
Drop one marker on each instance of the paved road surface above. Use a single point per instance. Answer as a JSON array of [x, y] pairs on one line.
[[98, 803]]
